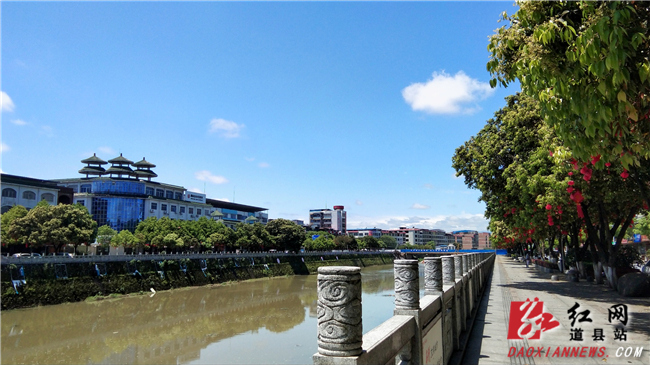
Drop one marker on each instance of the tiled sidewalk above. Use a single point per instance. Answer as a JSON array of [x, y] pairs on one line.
[[512, 281]]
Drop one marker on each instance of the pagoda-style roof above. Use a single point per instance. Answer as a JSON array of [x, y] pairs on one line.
[[121, 160], [216, 213], [144, 164], [94, 160], [145, 173], [122, 170], [92, 170]]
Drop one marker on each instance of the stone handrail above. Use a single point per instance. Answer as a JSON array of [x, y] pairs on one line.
[[429, 330]]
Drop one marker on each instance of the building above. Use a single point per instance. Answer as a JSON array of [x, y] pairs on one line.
[[328, 219], [26, 191], [467, 238], [484, 240], [121, 197], [365, 232], [233, 213], [418, 236]]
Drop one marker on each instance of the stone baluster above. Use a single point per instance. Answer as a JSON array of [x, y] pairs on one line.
[[407, 284], [465, 264], [432, 275], [340, 329], [458, 266], [448, 271]]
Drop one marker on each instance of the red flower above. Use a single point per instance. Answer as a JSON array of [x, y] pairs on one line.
[[608, 164], [570, 190], [595, 159], [570, 183], [550, 153], [624, 174], [570, 173], [549, 207]]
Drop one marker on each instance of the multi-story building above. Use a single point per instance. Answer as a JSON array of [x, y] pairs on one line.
[[484, 240], [26, 191], [467, 238], [328, 219], [233, 213], [418, 236], [121, 197], [364, 232]]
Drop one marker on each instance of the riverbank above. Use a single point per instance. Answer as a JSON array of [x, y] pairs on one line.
[[30, 285]]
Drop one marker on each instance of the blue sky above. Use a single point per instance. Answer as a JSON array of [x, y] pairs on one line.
[[288, 106]]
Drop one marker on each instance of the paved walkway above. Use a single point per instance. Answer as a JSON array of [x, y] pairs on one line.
[[512, 281]]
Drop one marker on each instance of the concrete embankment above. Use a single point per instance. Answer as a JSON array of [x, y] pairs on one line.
[[44, 283]]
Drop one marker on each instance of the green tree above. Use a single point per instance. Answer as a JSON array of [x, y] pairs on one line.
[[124, 239], [287, 234], [344, 242], [7, 219], [389, 241], [56, 225], [587, 63], [105, 235]]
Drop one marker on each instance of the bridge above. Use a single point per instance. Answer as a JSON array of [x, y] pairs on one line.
[[419, 253], [429, 330]]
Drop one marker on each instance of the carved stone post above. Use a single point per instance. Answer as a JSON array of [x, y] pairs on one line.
[[432, 275], [448, 271], [465, 264], [458, 265], [407, 284], [340, 330]]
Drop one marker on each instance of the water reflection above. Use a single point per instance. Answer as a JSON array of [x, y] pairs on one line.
[[263, 321]]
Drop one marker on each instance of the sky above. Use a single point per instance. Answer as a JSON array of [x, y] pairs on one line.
[[289, 106]]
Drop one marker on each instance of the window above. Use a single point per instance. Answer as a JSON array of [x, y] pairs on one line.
[[198, 212], [48, 197], [191, 210], [8, 193], [163, 207], [182, 210], [178, 196], [150, 191], [86, 188], [169, 194], [81, 202], [173, 208], [154, 206], [29, 195], [160, 193]]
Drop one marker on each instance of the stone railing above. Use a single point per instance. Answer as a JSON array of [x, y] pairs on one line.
[[429, 330]]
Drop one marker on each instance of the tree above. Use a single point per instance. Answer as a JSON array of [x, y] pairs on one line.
[[344, 242], [57, 225], [105, 235], [124, 239], [17, 211], [286, 234], [389, 241], [587, 63]]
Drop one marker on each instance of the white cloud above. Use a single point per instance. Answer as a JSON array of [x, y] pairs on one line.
[[449, 223], [7, 103], [419, 206], [107, 150], [19, 122], [225, 128], [249, 159], [205, 175], [428, 186], [358, 202], [445, 94], [263, 165], [4, 148]]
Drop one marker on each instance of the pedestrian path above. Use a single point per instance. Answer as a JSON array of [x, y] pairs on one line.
[[512, 281]]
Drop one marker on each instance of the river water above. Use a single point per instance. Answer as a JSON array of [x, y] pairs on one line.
[[265, 321]]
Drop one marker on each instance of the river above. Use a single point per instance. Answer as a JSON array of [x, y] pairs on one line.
[[264, 321]]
